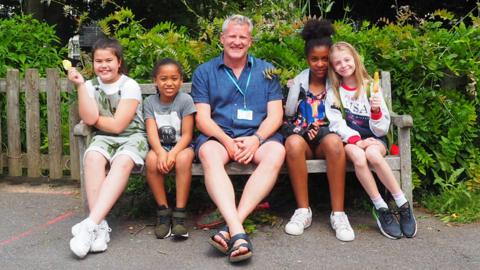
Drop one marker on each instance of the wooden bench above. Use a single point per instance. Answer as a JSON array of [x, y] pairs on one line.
[[400, 164]]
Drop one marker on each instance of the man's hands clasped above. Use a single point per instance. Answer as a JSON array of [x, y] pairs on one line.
[[242, 149]]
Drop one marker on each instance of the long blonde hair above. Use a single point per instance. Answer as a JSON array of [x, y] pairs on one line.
[[362, 79]]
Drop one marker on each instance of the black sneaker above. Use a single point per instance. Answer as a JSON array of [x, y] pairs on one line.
[[163, 224], [179, 230], [387, 223], [408, 224]]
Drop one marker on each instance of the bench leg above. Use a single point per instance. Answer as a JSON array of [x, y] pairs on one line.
[[81, 152], [407, 186], [405, 163]]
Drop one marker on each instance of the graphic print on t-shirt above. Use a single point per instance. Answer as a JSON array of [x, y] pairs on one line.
[[168, 127], [357, 116]]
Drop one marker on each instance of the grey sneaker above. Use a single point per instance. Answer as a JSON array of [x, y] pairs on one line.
[[163, 225], [387, 223], [408, 224], [178, 224]]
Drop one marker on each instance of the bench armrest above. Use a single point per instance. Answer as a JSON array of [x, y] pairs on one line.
[[82, 129], [402, 121]]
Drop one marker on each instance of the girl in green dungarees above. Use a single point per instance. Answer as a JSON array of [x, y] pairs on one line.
[[112, 104]]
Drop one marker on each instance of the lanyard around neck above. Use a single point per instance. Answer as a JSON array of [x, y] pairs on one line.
[[243, 92]]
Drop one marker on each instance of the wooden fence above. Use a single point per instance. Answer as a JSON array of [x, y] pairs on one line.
[[56, 162]]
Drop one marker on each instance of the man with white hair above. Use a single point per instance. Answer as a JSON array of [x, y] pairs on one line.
[[239, 111]]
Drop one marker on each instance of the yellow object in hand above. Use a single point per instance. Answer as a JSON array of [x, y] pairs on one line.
[[376, 82], [66, 64]]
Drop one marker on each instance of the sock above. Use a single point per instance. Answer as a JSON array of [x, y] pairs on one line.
[[338, 213], [90, 223], [180, 209], [378, 202], [399, 198]]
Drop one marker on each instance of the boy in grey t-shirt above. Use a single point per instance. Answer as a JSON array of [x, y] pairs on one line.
[[169, 121], [168, 116]]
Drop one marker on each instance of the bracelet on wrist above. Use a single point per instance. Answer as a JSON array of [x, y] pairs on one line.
[[260, 138]]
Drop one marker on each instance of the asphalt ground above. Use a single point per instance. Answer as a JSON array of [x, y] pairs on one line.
[[35, 225]]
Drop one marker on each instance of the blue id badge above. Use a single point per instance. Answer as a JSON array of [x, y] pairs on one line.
[[244, 114]]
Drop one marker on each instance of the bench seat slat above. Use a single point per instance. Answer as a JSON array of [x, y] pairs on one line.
[[313, 166]]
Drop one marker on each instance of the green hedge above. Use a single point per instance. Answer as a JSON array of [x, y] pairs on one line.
[[27, 43], [434, 65]]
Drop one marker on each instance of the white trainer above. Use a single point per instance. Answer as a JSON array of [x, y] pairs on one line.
[[82, 242], [102, 237], [341, 226], [301, 219], [76, 228]]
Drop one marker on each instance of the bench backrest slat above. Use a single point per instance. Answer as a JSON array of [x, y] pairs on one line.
[[386, 88], [149, 88]]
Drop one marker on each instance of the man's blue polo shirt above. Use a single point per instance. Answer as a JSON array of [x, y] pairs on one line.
[[212, 85]]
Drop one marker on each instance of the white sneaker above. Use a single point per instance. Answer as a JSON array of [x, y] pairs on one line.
[[301, 219], [82, 242], [102, 237], [76, 228], [343, 230]]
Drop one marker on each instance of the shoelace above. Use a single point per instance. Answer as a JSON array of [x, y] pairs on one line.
[[387, 216], [299, 217], [340, 222], [404, 213], [179, 221], [106, 228]]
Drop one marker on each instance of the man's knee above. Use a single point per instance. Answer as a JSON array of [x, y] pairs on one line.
[[204, 153], [274, 153], [212, 153]]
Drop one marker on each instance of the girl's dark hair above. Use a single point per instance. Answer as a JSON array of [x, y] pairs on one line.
[[164, 62], [317, 33], [112, 44]]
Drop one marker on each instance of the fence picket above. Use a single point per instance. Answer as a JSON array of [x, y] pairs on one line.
[[32, 108], [54, 126], [13, 123], [73, 119]]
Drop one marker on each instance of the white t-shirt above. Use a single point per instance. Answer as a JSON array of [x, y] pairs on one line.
[[130, 89]]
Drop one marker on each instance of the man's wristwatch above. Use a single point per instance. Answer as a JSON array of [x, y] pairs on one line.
[[260, 139]]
